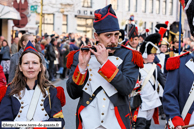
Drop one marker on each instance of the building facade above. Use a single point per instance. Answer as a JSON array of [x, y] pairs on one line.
[[77, 15], [7, 14]]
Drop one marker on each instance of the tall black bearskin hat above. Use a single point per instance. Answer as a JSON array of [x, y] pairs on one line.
[[157, 27], [133, 32], [174, 32], [149, 46]]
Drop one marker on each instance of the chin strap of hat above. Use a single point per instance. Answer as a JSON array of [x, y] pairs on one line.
[[145, 54]]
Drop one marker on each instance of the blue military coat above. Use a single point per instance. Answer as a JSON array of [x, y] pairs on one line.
[[179, 84], [13, 107], [122, 77]]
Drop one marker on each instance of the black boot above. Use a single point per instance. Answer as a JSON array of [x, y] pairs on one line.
[[140, 123], [148, 123]]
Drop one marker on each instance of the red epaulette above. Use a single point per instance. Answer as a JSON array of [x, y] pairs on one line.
[[137, 57], [61, 95], [159, 65], [70, 58], [3, 90], [174, 62]]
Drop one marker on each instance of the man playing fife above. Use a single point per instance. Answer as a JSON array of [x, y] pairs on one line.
[[103, 79]]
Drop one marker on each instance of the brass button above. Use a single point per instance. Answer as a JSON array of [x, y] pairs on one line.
[[87, 102], [91, 75], [117, 58], [20, 98], [41, 104], [191, 59], [93, 94], [85, 88], [22, 107], [22, 102], [87, 64], [90, 79], [100, 71], [104, 98], [90, 98], [102, 121], [103, 106], [20, 111], [42, 100], [45, 114], [102, 113], [18, 115], [42, 109], [88, 84], [90, 69]]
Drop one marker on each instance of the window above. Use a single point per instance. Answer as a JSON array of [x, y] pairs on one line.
[[64, 24], [87, 3], [84, 26], [151, 27], [150, 6], [135, 5], [47, 23], [144, 25], [157, 6], [128, 5], [114, 4], [171, 7], [144, 6], [164, 7]]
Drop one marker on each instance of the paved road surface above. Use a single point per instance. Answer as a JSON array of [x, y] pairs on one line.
[[69, 110]]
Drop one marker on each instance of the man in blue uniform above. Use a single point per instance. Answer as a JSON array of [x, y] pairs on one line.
[[103, 79], [178, 92]]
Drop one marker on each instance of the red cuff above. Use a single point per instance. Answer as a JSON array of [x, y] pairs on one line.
[[178, 121], [108, 71], [78, 78]]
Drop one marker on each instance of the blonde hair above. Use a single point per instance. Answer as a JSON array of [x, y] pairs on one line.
[[44, 42], [23, 38]]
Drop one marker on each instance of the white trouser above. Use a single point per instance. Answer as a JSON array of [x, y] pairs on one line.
[[147, 114]]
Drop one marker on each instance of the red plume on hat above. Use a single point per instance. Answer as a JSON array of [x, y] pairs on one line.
[[161, 32], [166, 22]]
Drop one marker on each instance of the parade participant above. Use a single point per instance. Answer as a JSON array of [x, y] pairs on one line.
[[143, 35], [174, 39], [29, 88], [128, 26], [150, 75], [133, 38], [164, 46], [102, 80], [178, 92], [14, 61]]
